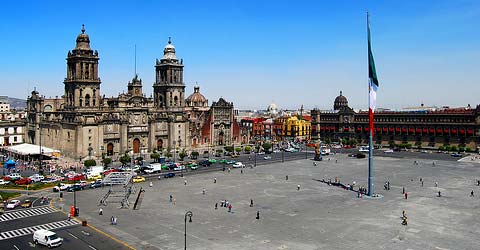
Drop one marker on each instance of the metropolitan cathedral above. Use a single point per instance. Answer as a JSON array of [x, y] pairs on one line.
[[84, 123]]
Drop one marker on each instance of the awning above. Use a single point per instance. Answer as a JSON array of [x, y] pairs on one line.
[[31, 149]]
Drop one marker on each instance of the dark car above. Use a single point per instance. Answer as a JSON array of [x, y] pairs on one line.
[[169, 175], [205, 163], [96, 184], [171, 165], [75, 187], [456, 155]]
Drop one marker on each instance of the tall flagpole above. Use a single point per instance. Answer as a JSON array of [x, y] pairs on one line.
[[370, 144]]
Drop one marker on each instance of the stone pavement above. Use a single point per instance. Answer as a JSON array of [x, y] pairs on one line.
[[317, 216]]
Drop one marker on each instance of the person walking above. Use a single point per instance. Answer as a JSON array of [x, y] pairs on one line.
[[100, 212], [185, 182], [203, 191], [471, 194], [241, 171], [298, 187], [69, 216], [422, 183], [403, 190], [151, 184], [216, 205], [112, 220], [286, 177], [251, 202], [258, 215], [439, 194], [174, 201], [214, 179], [436, 184], [406, 195], [230, 208], [171, 198]]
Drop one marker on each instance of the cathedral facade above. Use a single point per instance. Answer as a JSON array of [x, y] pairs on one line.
[[84, 123]]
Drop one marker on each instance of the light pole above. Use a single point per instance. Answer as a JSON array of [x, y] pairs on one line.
[[174, 150], [75, 213], [40, 168], [187, 214]]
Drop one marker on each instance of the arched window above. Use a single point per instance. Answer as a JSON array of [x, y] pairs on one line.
[[87, 100]]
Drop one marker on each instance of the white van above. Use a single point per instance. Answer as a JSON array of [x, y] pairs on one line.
[[47, 238], [153, 168]]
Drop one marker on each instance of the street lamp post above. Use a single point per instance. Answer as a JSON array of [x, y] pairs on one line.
[[40, 168], [187, 214], [174, 150]]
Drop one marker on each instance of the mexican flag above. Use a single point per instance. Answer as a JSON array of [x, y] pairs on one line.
[[372, 80]]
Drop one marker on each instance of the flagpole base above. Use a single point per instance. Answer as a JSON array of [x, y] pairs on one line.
[[373, 197]]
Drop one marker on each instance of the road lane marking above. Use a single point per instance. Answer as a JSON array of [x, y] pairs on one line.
[[92, 247], [73, 236], [30, 230], [29, 212]]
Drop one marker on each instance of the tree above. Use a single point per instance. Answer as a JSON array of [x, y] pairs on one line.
[[168, 153], [238, 150], [194, 154], [89, 163], [228, 148], [247, 149], [107, 161], [125, 159], [182, 154], [155, 156], [267, 146]]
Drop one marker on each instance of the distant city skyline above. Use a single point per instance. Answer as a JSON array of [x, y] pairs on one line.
[[255, 53]]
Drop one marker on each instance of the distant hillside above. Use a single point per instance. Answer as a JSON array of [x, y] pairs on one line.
[[15, 103]]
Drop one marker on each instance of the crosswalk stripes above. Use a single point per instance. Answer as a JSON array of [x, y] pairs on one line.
[[26, 213], [30, 230]]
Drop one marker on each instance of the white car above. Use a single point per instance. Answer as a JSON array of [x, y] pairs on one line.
[[3, 182], [389, 151], [13, 204], [178, 168], [238, 165], [14, 176], [267, 157], [36, 177], [62, 187]]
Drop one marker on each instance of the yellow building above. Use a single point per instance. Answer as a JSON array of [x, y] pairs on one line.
[[296, 128]]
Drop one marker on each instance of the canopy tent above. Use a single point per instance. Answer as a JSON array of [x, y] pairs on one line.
[[31, 149], [9, 164]]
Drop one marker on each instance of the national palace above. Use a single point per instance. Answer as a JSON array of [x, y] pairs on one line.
[[420, 127]]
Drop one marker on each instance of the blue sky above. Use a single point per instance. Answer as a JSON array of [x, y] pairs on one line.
[[253, 53]]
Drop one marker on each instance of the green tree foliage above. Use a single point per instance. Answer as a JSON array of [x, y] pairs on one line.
[[124, 159], [89, 163], [238, 149], [107, 161], [267, 146], [182, 154], [247, 149], [228, 148], [155, 156]]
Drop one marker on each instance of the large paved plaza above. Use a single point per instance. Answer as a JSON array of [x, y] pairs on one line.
[[317, 216]]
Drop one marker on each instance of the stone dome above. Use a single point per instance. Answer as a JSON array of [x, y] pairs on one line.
[[272, 109], [340, 102], [83, 41], [196, 99], [169, 51]]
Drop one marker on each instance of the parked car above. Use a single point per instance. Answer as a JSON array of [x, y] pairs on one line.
[[13, 176], [169, 175], [36, 177], [46, 238], [267, 157], [230, 162], [23, 181], [223, 161], [205, 163], [193, 165], [27, 203], [96, 184], [83, 184], [213, 160], [95, 177], [389, 151], [238, 165], [3, 182], [76, 177], [13, 204], [137, 179], [110, 170], [179, 168], [61, 187]]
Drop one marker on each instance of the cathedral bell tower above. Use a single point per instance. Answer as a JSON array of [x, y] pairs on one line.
[[82, 84], [135, 87], [169, 88]]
